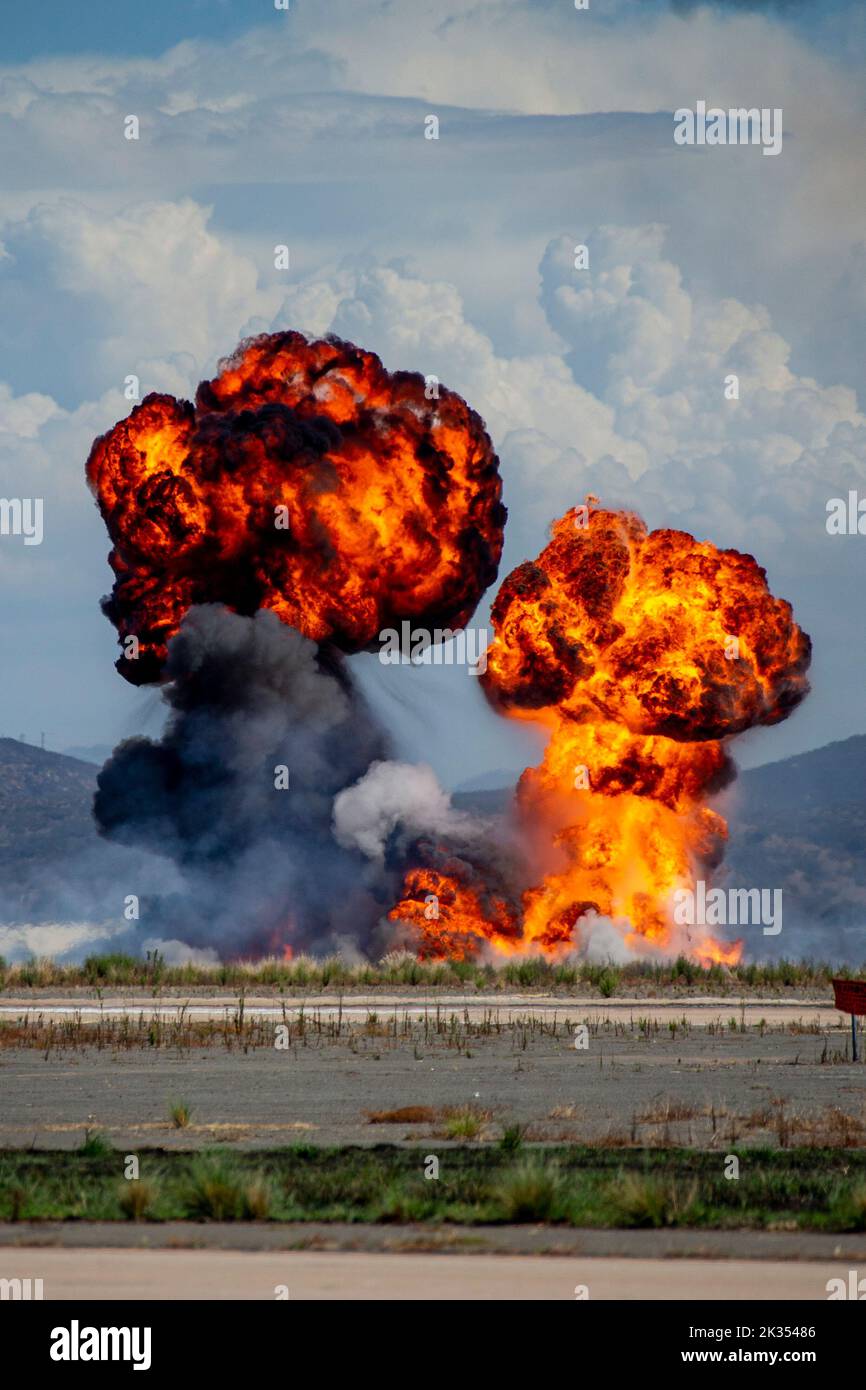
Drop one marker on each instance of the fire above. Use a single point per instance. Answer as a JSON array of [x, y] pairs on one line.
[[451, 909], [308, 480], [642, 653]]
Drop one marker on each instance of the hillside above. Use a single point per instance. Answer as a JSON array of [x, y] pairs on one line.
[[800, 787], [798, 824], [53, 865], [45, 801]]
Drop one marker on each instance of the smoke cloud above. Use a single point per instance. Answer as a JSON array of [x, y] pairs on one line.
[[263, 732]]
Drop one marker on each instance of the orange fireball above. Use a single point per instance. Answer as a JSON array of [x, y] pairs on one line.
[[308, 480], [641, 652]]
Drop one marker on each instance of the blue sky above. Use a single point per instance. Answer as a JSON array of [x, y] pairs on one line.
[[450, 257], [124, 26], [130, 28]]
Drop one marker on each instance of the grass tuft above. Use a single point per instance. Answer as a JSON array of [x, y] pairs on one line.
[[137, 1198], [534, 1190], [649, 1199], [465, 1122], [215, 1190], [95, 1145], [180, 1114]]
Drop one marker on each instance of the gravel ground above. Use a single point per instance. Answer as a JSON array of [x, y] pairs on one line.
[[722, 1077]]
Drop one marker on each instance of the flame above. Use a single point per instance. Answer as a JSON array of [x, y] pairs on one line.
[[641, 652], [305, 479], [450, 911]]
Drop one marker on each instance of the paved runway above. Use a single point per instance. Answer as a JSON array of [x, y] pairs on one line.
[[101, 1274]]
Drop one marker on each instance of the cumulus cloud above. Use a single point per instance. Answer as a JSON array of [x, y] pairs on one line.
[[634, 405], [422, 325], [24, 415], [633, 408], [154, 291], [662, 358]]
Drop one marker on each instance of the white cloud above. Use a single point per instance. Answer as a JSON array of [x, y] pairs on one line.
[[417, 325], [25, 415], [163, 283]]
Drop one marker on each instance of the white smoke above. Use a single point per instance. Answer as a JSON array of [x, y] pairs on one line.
[[392, 795]]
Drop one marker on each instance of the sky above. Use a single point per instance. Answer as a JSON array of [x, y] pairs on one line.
[[452, 257]]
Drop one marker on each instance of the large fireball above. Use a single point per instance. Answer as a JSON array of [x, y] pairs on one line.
[[308, 480], [643, 653]]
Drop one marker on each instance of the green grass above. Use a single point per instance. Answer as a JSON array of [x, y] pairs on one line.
[[180, 1114], [802, 1189], [214, 1188], [465, 1122], [95, 1144], [533, 1190], [117, 970]]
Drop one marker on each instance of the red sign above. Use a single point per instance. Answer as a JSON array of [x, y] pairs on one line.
[[850, 995]]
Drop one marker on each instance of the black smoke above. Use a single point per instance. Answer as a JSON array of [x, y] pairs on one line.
[[248, 697]]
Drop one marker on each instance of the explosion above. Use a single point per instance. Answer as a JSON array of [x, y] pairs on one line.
[[341, 499], [307, 480], [643, 653], [307, 501]]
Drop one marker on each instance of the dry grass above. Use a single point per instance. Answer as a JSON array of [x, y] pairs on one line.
[[137, 1199], [833, 1128], [667, 1111], [828, 1128], [405, 1115], [467, 1122]]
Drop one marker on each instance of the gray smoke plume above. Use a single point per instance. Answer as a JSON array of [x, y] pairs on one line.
[[253, 704]]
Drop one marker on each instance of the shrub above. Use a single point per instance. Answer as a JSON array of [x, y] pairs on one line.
[[534, 1190], [137, 1198], [215, 1190]]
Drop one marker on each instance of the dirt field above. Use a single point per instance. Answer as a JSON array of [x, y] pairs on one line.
[[698, 1072]]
